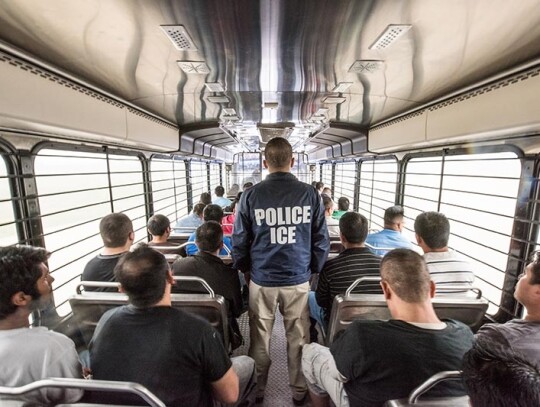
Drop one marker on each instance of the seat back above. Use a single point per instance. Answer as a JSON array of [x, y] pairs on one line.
[[414, 397], [89, 306], [349, 307]]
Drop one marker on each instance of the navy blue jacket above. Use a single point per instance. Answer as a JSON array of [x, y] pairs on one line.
[[280, 233]]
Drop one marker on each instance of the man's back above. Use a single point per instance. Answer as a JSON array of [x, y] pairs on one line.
[[340, 272], [449, 268], [279, 231], [33, 354], [387, 239], [385, 360], [519, 335], [101, 268], [173, 354]]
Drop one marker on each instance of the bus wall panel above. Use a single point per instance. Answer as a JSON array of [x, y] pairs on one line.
[[33, 103], [510, 108], [403, 132], [142, 130]]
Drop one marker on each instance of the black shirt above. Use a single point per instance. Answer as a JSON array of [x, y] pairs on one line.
[[101, 268]]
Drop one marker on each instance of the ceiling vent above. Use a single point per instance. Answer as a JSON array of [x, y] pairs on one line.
[[218, 99], [179, 37], [269, 131], [342, 86], [214, 87], [392, 33], [366, 66], [229, 111], [190, 67], [333, 100]]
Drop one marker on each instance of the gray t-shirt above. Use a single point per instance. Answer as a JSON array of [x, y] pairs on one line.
[[520, 335]]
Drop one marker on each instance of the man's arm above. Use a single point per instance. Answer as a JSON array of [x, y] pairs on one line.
[[227, 388], [320, 241], [241, 238], [322, 294]]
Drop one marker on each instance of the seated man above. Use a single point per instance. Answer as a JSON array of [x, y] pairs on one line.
[[343, 207], [220, 277], [205, 198], [495, 375], [33, 354], [375, 361], [331, 223], [340, 272], [192, 221], [178, 357], [521, 335], [390, 237], [215, 213], [159, 228], [117, 234], [445, 266], [220, 199]]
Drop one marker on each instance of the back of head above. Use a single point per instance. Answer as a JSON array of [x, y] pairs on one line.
[[343, 204], [328, 203], [278, 153], [498, 376], [535, 269], [327, 191], [115, 229], [206, 198], [143, 275], [406, 273], [219, 190], [198, 209], [433, 228], [209, 236], [158, 224], [319, 186], [213, 212], [393, 215], [19, 271], [354, 227]]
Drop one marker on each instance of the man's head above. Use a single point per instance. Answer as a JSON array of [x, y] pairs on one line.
[[328, 205], [405, 272], [219, 191], [159, 225], [319, 186], [213, 212], [432, 230], [278, 155], [206, 198], [116, 229], [498, 376], [353, 228], [24, 279], [327, 191], [343, 204], [393, 218], [198, 209], [143, 275], [209, 237], [527, 290]]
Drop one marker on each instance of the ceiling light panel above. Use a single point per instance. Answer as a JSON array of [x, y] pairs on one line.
[[179, 37], [191, 67], [367, 66], [218, 99], [229, 111], [390, 35], [333, 100], [214, 87], [342, 87]]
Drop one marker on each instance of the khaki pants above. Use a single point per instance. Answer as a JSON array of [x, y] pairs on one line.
[[293, 305]]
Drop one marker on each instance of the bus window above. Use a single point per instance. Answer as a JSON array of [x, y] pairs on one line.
[[378, 179], [326, 174], [215, 178], [8, 231], [169, 189], [344, 182], [198, 180], [478, 195], [246, 168]]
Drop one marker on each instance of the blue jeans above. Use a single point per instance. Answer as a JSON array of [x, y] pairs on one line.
[[317, 312]]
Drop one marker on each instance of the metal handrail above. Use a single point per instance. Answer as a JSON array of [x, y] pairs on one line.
[[432, 382], [197, 279], [94, 385], [99, 284]]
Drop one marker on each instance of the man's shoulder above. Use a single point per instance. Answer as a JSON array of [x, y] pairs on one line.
[[42, 335]]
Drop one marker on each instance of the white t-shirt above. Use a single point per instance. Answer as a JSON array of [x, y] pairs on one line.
[[31, 354]]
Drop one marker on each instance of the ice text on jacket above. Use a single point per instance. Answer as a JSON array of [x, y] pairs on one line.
[[283, 221]]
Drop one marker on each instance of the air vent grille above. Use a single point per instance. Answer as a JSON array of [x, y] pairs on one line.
[[179, 37], [366, 66], [191, 67], [390, 35]]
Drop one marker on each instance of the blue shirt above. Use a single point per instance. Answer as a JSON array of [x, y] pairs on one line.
[[388, 239], [192, 249], [221, 201], [190, 221]]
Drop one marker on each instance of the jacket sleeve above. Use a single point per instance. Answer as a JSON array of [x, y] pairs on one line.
[[320, 241], [322, 294], [242, 236], [235, 292]]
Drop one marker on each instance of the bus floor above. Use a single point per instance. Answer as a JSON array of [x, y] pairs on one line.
[[278, 392]]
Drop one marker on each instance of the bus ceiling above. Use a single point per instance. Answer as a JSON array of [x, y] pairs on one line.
[[338, 78]]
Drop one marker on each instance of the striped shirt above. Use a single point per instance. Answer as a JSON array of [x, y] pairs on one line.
[[449, 268], [340, 272]]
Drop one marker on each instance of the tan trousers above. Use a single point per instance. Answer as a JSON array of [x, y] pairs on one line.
[[293, 305]]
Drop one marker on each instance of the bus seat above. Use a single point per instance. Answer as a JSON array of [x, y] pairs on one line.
[[89, 306], [350, 306], [414, 397], [87, 385]]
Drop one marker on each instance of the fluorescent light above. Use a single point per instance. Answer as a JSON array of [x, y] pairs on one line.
[[342, 87], [229, 111], [214, 87], [333, 100], [218, 99]]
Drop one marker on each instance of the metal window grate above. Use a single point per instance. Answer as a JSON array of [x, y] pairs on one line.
[[169, 190], [345, 181], [8, 223]]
